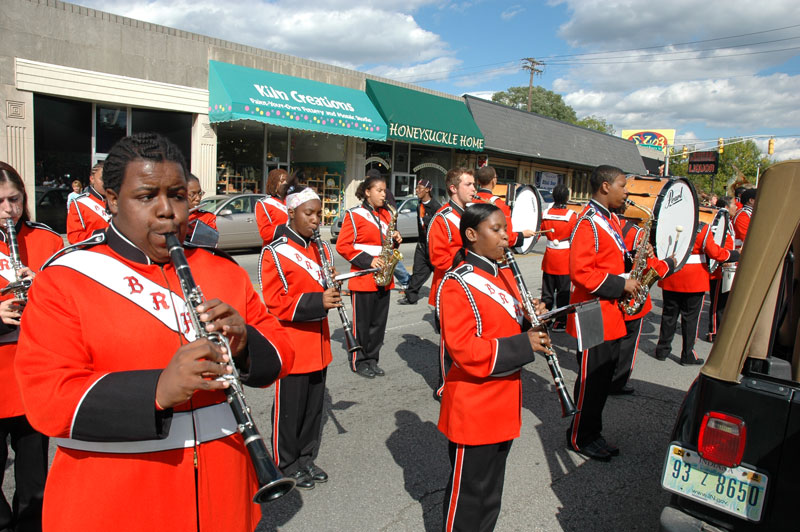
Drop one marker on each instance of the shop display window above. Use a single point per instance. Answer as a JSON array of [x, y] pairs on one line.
[[110, 125], [240, 157], [432, 164], [321, 158], [177, 127]]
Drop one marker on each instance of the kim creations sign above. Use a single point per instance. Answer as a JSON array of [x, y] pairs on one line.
[[703, 162]]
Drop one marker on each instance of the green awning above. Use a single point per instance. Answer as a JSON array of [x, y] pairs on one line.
[[241, 93], [422, 118]]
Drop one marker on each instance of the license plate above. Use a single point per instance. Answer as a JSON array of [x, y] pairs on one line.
[[736, 490]]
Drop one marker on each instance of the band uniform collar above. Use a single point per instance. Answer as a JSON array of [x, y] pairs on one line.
[[599, 208], [292, 235], [456, 207], [124, 247], [482, 263], [96, 194]]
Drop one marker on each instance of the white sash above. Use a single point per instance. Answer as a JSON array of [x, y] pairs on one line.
[[561, 244], [6, 268], [275, 203], [501, 296], [95, 207], [367, 215], [161, 303], [312, 268], [558, 217], [600, 220], [368, 248], [454, 219]]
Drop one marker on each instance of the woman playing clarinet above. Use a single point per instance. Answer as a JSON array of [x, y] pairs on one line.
[[483, 330], [24, 247]]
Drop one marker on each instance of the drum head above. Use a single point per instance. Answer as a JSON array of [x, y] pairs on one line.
[[675, 221], [526, 214], [717, 231]]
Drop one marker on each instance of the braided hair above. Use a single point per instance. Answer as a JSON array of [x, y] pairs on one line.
[[139, 146]]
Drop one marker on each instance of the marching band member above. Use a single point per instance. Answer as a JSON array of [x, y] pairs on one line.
[[195, 195], [684, 292], [482, 325], [486, 179], [597, 261], [146, 439], [719, 299], [555, 263], [426, 209], [271, 211], [87, 213], [360, 241], [292, 285], [741, 222], [444, 241], [35, 243]]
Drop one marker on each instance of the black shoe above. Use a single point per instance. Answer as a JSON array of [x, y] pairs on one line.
[[595, 451], [613, 450], [302, 479], [695, 362], [376, 369], [316, 473], [405, 301], [625, 390], [660, 357], [365, 371]]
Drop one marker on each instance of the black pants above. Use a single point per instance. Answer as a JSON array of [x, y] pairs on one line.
[[688, 305], [475, 489], [555, 289], [30, 473], [627, 354], [370, 313], [596, 369], [297, 419], [422, 270], [719, 300]]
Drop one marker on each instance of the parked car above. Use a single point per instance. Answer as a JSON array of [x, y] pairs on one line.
[[51, 207], [734, 459], [406, 219], [547, 199], [236, 219]]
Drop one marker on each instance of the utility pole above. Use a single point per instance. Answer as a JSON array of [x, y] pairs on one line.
[[531, 64]]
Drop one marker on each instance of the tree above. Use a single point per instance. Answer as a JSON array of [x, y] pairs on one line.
[[597, 123], [543, 101], [744, 154]]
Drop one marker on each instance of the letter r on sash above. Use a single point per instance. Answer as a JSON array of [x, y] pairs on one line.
[[159, 300]]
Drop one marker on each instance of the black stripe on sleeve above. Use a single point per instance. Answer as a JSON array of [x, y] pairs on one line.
[[513, 352], [265, 362], [122, 407], [612, 287], [362, 261], [309, 307]]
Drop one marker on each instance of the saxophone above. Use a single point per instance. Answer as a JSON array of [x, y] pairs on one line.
[[647, 276], [389, 255], [20, 286]]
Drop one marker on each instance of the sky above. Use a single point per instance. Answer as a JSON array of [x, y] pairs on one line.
[[718, 68]]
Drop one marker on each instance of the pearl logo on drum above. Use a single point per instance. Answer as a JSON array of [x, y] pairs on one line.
[[674, 198]]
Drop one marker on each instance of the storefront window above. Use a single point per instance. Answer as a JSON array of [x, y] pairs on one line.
[[240, 157], [62, 145], [111, 124], [400, 157], [431, 164], [506, 174], [379, 157], [321, 158], [277, 155], [177, 127]]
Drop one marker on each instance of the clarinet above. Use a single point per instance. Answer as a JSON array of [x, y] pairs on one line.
[[327, 268], [272, 483], [20, 286], [567, 405]]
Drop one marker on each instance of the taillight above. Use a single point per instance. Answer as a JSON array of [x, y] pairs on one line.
[[722, 439]]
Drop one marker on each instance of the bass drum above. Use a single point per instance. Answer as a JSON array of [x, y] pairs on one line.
[[526, 213], [717, 219], [673, 201], [576, 207]]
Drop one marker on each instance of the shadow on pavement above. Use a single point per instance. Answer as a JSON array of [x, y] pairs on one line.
[[421, 451], [279, 512], [422, 356]]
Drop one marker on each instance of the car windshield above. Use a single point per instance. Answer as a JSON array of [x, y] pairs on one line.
[[547, 197], [211, 204]]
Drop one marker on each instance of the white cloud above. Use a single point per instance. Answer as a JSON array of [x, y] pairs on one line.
[[511, 12], [436, 68]]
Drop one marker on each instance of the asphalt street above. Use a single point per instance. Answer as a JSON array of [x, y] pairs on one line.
[[388, 463]]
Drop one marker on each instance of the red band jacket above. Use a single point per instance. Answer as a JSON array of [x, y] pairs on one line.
[[741, 222], [556, 255], [693, 277], [444, 241], [481, 322], [292, 281], [36, 243], [271, 212], [486, 195], [363, 232], [598, 259], [208, 218], [85, 215], [101, 324]]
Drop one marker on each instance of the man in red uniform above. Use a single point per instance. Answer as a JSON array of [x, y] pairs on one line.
[[719, 299], [87, 213], [741, 222], [444, 241], [597, 261], [684, 292], [555, 264], [294, 288], [271, 211], [426, 209], [196, 214], [485, 180], [146, 439]]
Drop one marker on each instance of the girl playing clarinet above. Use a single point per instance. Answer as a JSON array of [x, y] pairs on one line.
[[483, 330]]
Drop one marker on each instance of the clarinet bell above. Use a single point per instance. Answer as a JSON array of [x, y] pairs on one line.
[[274, 490]]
